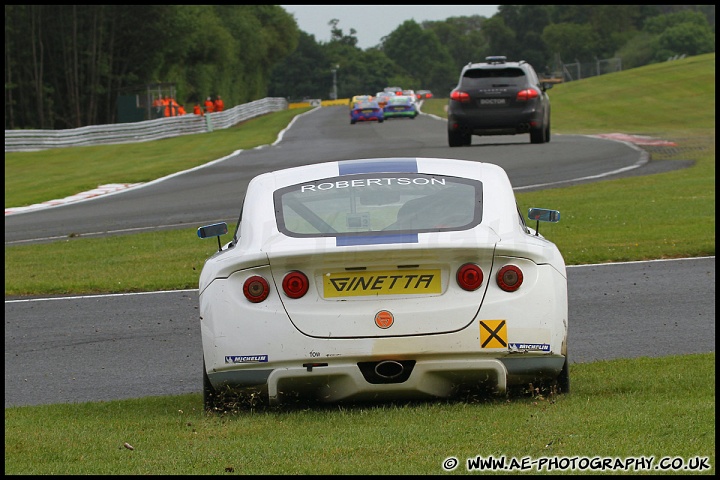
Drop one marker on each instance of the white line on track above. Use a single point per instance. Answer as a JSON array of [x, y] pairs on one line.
[[113, 188]]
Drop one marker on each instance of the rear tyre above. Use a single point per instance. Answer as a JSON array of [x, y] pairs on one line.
[[211, 401], [352, 122], [547, 132], [458, 139], [563, 380], [537, 135]]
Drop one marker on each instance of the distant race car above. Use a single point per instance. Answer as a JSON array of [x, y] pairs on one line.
[[411, 93], [400, 107], [424, 94], [366, 112], [360, 98], [393, 90], [382, 98], [381, 279]]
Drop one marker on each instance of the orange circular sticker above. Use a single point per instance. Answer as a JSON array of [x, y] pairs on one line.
[[384, 319]]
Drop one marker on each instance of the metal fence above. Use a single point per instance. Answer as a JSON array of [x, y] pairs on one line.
[[577, 70], [32, 140]]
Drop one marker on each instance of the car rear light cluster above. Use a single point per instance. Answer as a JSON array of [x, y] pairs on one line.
[[509, 278], [256, 289], [295, 284], [527, 94], [470, 277], [460, 96]]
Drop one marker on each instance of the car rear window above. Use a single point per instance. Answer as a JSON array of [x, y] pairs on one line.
[[372, 204], [484, 77]]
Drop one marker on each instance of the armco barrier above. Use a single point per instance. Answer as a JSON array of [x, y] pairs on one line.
[[32, 140]]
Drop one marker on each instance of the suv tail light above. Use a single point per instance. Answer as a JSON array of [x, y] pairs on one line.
[[509, 278], [256, 289], [527, 94], [460, 96], [469, 277], [295, 284]]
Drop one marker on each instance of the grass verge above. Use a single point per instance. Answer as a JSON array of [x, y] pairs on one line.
[[618, 409]]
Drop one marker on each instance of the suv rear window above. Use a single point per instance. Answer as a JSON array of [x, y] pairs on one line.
[[493, 73], [483, 78]]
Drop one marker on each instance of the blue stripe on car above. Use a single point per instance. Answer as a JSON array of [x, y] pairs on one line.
[[378, 166], [377, 239]]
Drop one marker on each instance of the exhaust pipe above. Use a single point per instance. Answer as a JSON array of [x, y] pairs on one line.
[[389, 369]]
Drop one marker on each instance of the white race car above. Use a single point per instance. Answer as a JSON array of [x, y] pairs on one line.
[[382, 279]]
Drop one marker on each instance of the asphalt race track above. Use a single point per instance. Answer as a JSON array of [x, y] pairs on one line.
[[70, 349], [204, 195]]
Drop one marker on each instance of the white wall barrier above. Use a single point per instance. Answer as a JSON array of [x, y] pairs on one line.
[[32, 140]]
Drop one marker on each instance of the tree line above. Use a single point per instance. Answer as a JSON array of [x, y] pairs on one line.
[[66, 66]]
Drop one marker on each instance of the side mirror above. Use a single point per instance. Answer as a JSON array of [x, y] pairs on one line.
[[543, 215], [214, 230]]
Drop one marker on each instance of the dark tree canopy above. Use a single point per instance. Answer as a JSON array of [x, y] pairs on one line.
[[67, 66]]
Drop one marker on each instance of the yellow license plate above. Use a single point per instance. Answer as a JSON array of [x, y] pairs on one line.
[[355, 284]]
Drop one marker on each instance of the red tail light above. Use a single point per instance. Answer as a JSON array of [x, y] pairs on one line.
[[469, 277], [459, 96], [527, 94], [256, 289], [295, 284], [509, 278]]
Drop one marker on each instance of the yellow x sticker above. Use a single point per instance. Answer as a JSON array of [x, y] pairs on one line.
[[493, 334]]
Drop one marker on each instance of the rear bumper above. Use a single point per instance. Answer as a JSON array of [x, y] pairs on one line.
[[373, 118], [423, 379], [495, 121], [400, 114]]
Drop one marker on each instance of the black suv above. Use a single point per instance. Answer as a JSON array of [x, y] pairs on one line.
[[498, 98]]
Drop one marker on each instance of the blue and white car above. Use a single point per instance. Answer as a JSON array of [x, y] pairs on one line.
[[366, 111], [400, 106], [382, 279]]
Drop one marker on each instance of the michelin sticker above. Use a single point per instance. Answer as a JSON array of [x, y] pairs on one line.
[[541, 347], [246, 358]]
